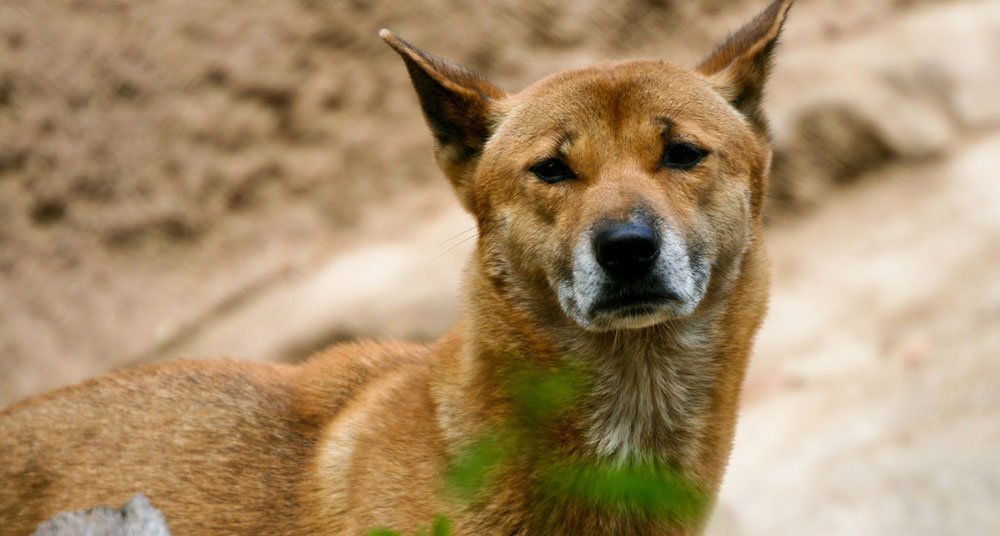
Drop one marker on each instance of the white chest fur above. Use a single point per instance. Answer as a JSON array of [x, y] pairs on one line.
[[651, 393]]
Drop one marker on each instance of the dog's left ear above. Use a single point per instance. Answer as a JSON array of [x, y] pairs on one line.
[[457, 105], [740, 65]]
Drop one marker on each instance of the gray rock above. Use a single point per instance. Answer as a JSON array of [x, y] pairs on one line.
[[136, 518]]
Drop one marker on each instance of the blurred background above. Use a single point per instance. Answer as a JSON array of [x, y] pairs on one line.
[[181, 178]]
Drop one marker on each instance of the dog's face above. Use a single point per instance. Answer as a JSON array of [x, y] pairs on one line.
[[621, 190], [625, 186]]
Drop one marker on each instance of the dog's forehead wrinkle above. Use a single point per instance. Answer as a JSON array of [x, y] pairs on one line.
[[666, 126], [618, 112], [565, 142]]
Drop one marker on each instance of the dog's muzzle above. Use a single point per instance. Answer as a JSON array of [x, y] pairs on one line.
[[630, 274]]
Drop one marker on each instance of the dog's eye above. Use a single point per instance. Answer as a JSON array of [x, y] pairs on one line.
[[552, 170], [682, 156]]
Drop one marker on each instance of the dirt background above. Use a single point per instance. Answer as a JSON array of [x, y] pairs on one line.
[[251, 178]]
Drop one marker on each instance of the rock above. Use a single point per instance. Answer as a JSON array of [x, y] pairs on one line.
[[136, 518]]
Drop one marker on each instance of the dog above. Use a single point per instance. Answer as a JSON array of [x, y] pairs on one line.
[[590, 387]]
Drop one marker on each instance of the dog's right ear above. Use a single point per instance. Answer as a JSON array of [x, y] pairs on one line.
[[740, 65], [457, 105]]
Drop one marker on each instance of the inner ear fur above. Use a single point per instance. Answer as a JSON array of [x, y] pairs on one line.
[[457, 105], [739, 65]]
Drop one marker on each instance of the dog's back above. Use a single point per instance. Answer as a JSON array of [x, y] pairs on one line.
[[197, 437], [106, 432]]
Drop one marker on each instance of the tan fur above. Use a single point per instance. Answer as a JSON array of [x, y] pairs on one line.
[[359, 436]]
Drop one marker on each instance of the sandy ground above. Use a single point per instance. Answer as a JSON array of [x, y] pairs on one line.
[[180, 179]]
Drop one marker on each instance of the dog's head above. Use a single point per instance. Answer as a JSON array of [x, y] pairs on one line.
[[621, 190]]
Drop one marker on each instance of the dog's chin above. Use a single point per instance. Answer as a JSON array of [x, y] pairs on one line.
[[635, 316], [630, 316], [627, 319]]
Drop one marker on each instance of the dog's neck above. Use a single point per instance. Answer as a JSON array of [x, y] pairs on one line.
[[650, 391]]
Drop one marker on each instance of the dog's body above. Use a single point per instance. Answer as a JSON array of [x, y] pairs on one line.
[[619, 214]]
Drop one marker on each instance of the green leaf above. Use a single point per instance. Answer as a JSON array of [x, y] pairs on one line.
[[383, 532], [646, 490], [468, 473], [441, 526]]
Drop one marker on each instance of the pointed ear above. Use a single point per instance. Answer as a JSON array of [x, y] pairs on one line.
[[740, 65], [456, 103]]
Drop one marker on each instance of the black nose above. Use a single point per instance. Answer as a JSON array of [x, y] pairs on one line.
[[627, 251]]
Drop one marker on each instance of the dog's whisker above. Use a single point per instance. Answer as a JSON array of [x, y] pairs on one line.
[[455, 246], [473, 228]]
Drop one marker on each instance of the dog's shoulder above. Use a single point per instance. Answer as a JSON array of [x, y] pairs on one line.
[[331, 379]]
